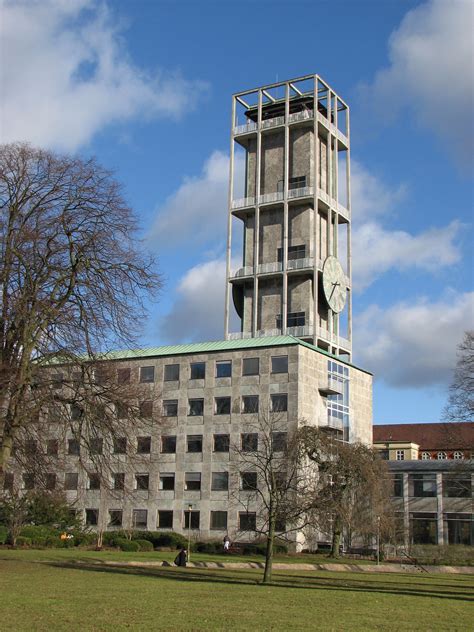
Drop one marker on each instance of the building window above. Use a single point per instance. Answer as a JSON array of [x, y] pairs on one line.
[[441, 456], [52, 447], [194, 443], [196, 407], [338, 404], [247, 521], [422, 485], [423, 528], [123, 376], [222, 405], [76, 412], [118, 480], [142, 481], [31, 447], [400, 455], [220, 481], [165, 519], [170, 408], [249, 404], [294, 252], [194, 515], [198, 370], [146, 409], [297, 182], [96, 446], [28, 481], [250, 366], [248, 481], [384, 454], [121, 410], [293, 319], [460, 528], [115, 518], [457, 455], [168, 444], [167, 481], [73, 447], [71, 481], [120, 445], [50, 481], [92, 517], [143, 445], [139, 518], [278, 403], [219, 520], [8, 482], [397, 485], [224, 368], [280, 364], [57, 380], [279, 441], [192, 481], [147, 374], [457, 485], [221, 442], [249, 441], [94, 481], [425, 456], [171, 373]]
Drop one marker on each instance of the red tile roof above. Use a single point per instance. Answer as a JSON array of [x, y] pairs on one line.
[[436, 436]]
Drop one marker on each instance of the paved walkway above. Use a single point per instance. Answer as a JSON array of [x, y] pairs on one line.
[[278, 566]]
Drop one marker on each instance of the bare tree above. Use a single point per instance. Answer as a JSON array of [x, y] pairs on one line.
[[73, 281], [460, 405], [353, 493], [275, 483]]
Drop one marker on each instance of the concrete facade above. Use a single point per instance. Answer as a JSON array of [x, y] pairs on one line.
[[295, 212]]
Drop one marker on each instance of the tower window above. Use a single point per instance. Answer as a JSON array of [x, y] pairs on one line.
[[294, 252], [298, 182]]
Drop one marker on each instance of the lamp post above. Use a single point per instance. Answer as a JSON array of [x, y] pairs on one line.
[[190, 507], [378, 540]]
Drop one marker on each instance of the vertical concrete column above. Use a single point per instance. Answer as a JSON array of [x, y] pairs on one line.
[[286, 172], [316, 253], [439, 499], [406, 510], [336, 198], [349, 230], [256, 236], [229, 223]]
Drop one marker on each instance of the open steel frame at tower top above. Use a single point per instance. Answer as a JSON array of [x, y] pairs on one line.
[[289, 190]]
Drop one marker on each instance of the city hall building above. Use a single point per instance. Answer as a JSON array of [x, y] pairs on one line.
[[287, 346]]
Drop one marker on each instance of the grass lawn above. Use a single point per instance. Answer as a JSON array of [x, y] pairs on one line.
[[66, 590]]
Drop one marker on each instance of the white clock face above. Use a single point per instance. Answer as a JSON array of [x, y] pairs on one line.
[[334, 284]]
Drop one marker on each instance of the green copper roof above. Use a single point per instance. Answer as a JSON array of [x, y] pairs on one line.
[[219, 345]]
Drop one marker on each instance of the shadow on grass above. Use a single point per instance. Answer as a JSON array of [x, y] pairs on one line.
[[410, 589]]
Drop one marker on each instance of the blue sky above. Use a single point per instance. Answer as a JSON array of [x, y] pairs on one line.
[[146, 85]]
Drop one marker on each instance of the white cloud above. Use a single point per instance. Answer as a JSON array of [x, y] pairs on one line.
[[377, 250], [196, 213], [370, 196], [198, 311], [430, 72], [66, 74], [413, 345]]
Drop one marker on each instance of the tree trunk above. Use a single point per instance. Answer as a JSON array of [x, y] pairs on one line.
[[267, 575], [336, 541]]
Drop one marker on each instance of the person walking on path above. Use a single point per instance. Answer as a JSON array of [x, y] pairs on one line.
[[181, 558], [226, 543]]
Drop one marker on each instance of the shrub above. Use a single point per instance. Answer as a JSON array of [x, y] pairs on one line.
[[82, 538], [23, 541], [3, 534], [162, 538], [145, 545], [212, 546], [128, 545], [40, 533]]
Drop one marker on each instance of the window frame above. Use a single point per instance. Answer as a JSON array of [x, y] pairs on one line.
[[246, 361], [171, 369], [192, 369], [274, 361], [220, 364]]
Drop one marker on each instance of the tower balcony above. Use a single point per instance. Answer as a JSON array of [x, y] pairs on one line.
[[270, 268], [333, 386], [243, 203], [327, 420], [338, 341], [241, 273]]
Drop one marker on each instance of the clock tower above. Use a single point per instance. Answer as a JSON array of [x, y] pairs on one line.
[[289, 222]]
